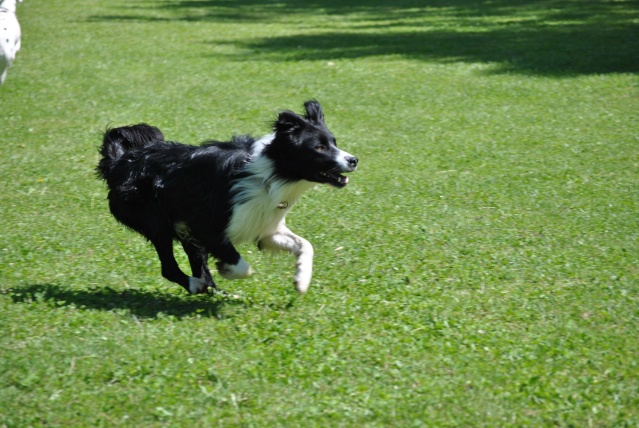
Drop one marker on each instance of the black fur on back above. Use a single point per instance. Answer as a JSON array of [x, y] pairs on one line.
[[155, 184]]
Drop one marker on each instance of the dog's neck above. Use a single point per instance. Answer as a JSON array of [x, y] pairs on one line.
[[283, 193], [261, 200]]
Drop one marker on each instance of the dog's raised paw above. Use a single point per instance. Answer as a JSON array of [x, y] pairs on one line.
[[302, 285]]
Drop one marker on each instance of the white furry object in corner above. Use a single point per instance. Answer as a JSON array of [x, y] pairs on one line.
[[9, 36]]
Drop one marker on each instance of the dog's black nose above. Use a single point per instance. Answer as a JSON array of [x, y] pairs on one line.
[[352, 161]]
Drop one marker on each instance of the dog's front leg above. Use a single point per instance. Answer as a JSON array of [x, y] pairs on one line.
[[285, 240], [229, 262], [238, 270]]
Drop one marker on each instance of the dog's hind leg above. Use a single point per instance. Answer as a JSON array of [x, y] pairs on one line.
[[198, 259], [171, 270], [285, 240]]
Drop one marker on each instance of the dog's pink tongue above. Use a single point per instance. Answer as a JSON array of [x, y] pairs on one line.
[[344, 180]]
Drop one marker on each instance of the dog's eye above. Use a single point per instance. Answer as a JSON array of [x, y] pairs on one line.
[[320, 148]]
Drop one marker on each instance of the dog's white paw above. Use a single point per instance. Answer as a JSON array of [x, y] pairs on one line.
[[240, 270], [302, 281], [197, 285], [302, 286], [304, 269]]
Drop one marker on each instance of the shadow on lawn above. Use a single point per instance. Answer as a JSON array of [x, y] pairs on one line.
[[547, 37], [140, 303]]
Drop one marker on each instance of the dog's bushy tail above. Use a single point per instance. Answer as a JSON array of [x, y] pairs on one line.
[[118, 141]]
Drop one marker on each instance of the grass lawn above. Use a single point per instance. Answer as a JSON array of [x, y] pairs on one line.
[[480, 269]]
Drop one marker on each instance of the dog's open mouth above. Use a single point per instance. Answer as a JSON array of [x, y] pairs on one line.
[[334, 178]]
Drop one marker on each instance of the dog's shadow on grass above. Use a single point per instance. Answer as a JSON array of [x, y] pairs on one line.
[[140, 303]]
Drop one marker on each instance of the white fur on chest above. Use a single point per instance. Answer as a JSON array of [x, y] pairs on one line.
[[261, 202]]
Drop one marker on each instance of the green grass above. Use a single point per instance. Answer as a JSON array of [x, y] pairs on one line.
[[479, 270]]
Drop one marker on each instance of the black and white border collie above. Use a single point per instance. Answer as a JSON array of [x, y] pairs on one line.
[[214, 196]]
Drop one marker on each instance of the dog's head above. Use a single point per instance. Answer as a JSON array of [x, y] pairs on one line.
[[304, 149]]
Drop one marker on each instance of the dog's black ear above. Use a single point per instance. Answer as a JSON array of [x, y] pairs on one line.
[[314, 111], [288, 121]]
